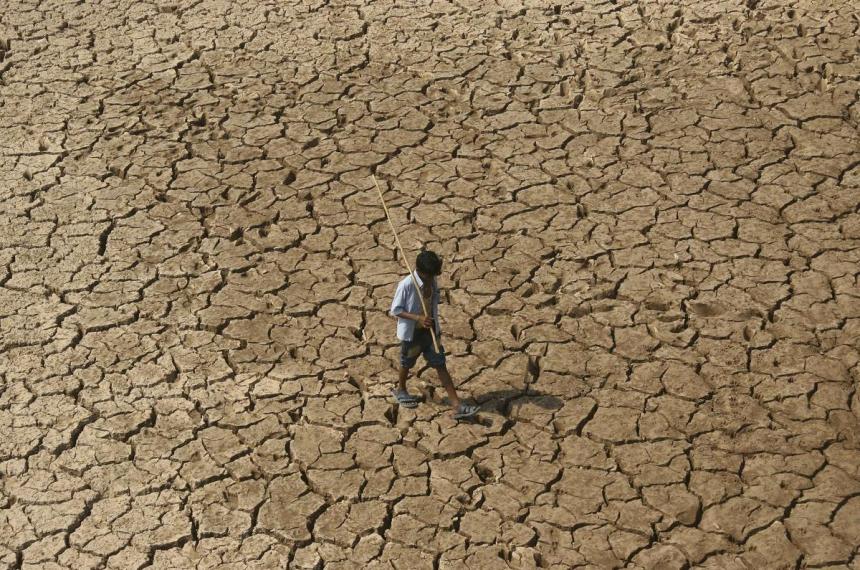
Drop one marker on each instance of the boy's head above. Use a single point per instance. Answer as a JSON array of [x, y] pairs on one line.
[[428, 264]]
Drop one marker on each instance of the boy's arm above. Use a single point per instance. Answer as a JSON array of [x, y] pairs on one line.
[[410, 316], [426, 322], [399, 305]]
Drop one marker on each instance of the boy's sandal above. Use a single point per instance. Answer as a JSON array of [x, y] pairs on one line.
[[465, 411], [405, 399]]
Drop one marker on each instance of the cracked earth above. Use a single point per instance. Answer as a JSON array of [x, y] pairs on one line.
[[649, 215]]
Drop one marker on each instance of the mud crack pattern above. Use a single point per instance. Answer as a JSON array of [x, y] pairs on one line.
[[649, 215]]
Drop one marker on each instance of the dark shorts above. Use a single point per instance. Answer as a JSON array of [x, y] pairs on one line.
[[421, 343]]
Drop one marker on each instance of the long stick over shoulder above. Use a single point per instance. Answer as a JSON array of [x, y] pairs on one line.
[[406, 262]]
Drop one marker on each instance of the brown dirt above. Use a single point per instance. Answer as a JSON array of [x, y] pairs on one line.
[[650, 220]]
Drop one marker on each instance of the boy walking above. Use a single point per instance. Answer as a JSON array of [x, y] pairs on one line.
[[413, 330]]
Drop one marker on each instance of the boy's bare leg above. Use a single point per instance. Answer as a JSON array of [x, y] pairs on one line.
[[401, 379], [448, 384]]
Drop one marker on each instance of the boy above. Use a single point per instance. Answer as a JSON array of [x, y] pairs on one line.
[[413, 330]]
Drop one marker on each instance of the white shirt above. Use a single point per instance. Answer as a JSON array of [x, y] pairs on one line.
[[408, 300]]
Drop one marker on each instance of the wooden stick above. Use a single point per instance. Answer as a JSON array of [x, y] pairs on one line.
[[408, 267]]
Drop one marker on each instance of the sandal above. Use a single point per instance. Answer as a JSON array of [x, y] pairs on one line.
[[465, 411], [405, 399]]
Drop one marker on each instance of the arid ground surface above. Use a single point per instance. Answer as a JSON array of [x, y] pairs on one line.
[[649, 218]]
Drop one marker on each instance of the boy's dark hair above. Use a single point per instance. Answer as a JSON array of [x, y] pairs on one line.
[[428, 263]]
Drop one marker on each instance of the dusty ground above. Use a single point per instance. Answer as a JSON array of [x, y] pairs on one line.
[[649, 219]]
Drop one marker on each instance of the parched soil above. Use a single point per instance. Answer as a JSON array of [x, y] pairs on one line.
[[649, 214]]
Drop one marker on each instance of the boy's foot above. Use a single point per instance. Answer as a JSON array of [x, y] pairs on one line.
[[405, 399], [465, 411]]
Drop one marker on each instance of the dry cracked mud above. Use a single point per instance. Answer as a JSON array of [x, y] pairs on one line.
[[649, 214]]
